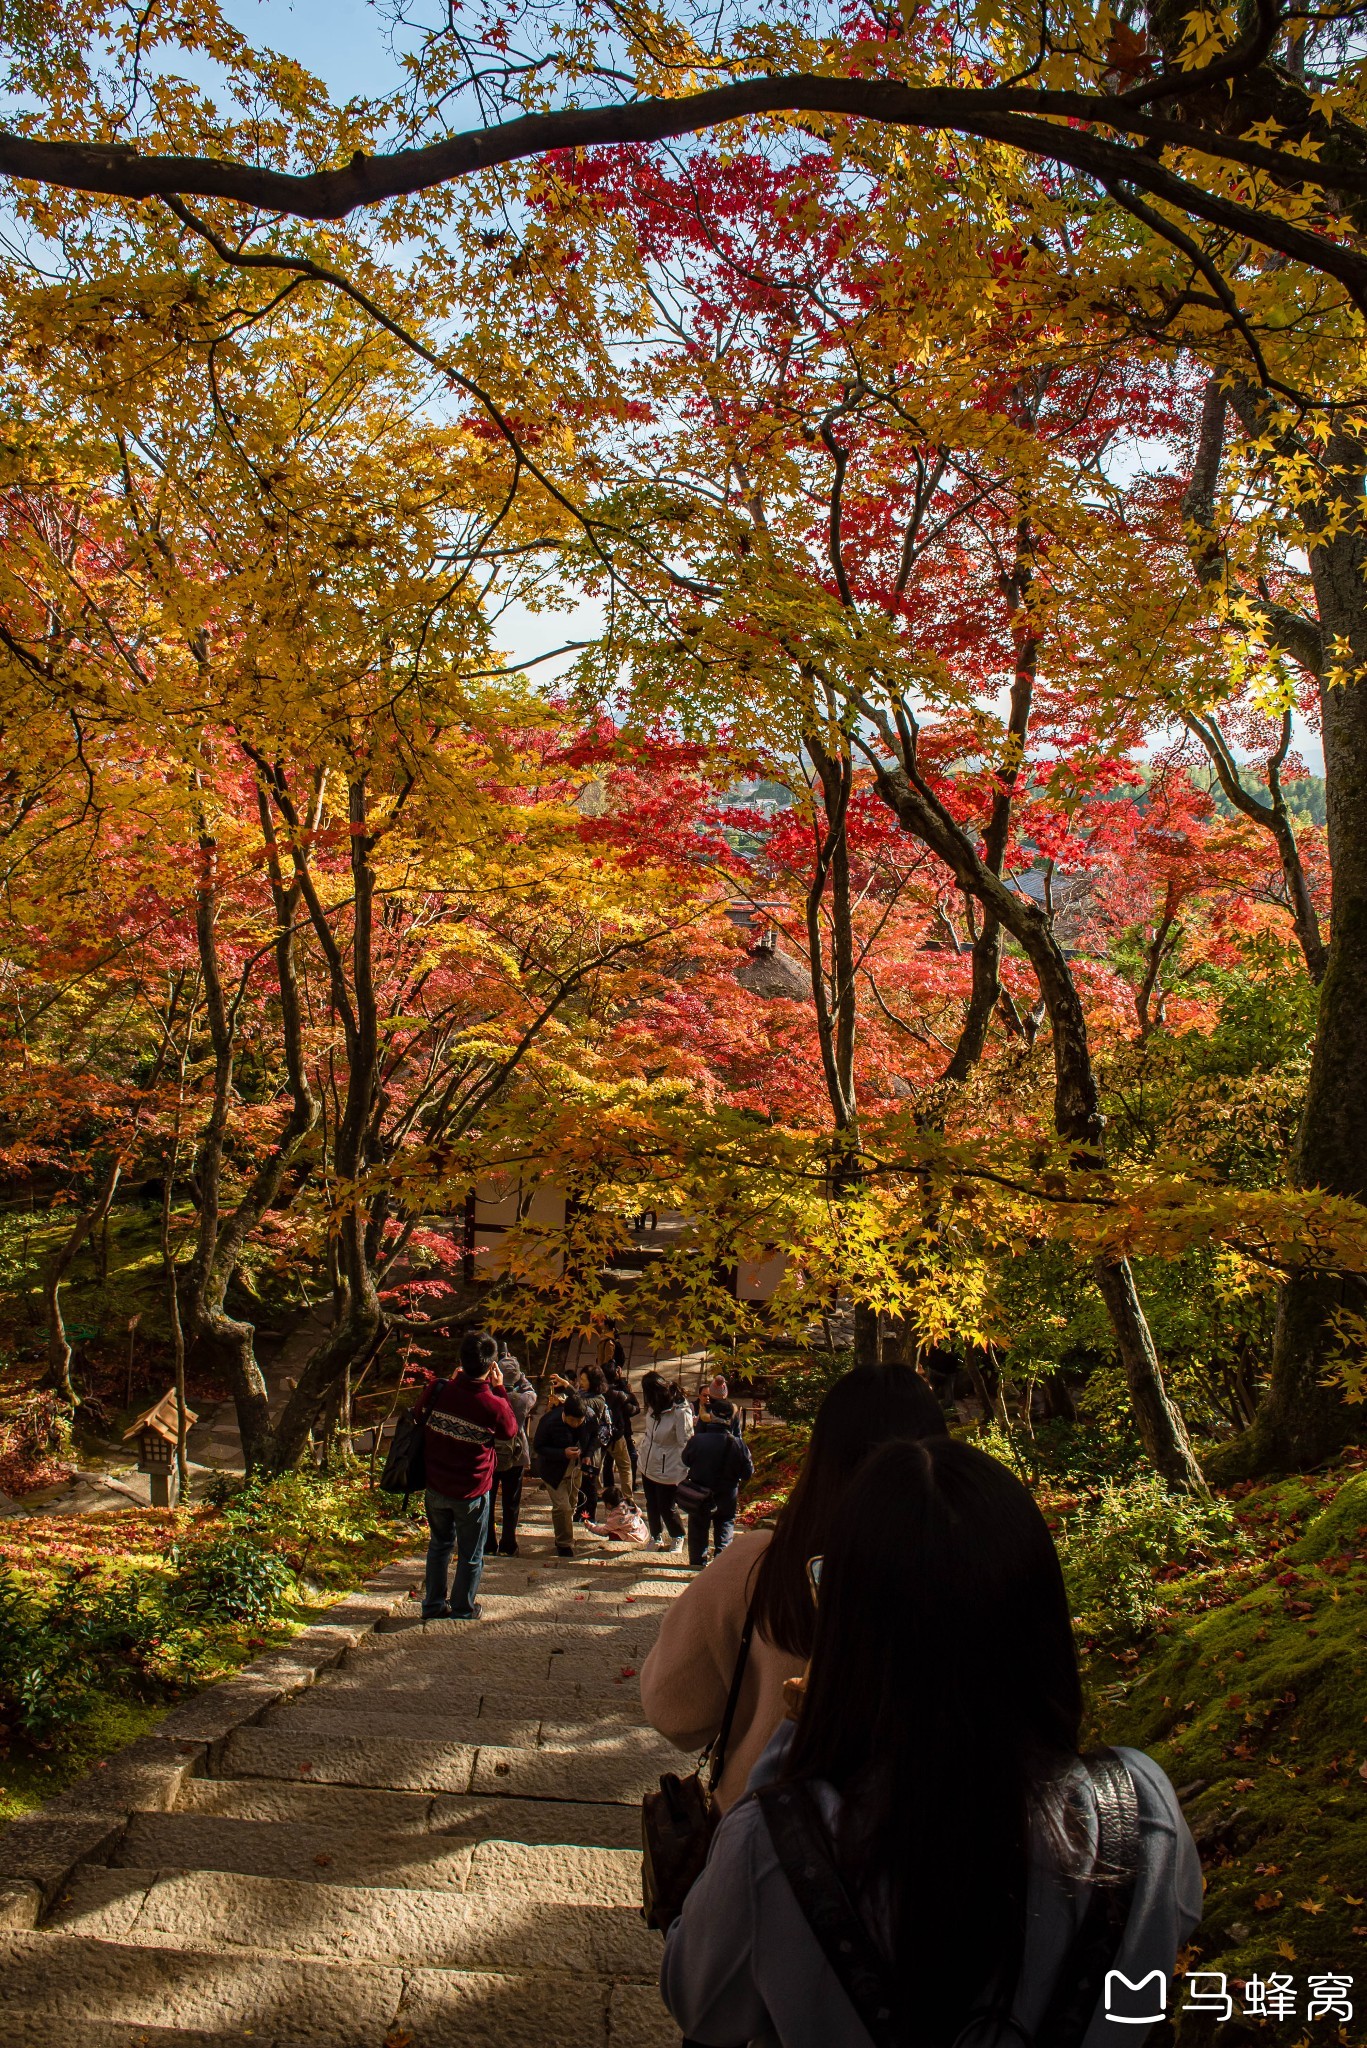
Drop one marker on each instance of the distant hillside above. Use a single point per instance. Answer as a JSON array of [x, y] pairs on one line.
[[1304, 798]]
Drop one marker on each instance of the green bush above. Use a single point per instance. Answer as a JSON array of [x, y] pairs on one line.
[[796, 1393], [1118, 1549], [232, 1578], [89, 1633]]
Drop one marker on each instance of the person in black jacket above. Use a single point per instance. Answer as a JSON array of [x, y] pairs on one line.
[[721, 1462], [563, 1437], [622, 1406]]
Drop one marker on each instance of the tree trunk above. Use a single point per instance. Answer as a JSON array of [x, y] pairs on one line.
[[1301, 1421], [1159, 1423], [58, 1349], [1077, 1108], [221, 1240], [349, 1341]]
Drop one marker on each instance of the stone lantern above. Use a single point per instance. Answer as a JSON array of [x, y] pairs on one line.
[[156, 1434]]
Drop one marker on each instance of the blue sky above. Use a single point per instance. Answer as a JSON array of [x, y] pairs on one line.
[[342, 41]]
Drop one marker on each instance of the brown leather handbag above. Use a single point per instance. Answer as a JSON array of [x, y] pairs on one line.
[[679, 1821]]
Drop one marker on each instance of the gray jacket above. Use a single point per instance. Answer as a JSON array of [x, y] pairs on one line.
[[741, 1963], [520, 1395]]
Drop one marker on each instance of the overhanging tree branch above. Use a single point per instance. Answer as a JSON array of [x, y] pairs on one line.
[[1062, 127]]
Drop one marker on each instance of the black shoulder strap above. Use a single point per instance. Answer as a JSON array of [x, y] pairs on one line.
[[801, 1844], [803, 1848], [717, 1751]]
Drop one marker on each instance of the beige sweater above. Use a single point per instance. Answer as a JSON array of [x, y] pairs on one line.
[[686, 1677]]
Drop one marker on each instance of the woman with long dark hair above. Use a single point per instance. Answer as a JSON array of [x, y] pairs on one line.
[[936, 1749], [763, 1574]]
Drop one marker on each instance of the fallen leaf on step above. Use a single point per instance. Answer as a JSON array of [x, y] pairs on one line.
[[322, 1861], [398, 2037], [305, 1767]]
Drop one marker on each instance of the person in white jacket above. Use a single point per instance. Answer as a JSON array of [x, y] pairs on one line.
[[669, 1425]]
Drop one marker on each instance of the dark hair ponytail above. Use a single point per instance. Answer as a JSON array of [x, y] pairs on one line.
[[867, 1407], [942, 1702]]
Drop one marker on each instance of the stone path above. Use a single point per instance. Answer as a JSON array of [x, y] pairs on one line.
[[433, 1846]]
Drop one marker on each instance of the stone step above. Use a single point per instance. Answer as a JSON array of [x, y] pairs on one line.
[[569, 1821], [306, 1805], [382, 1762], [348, 1807], [94, 2033], [577, 1871], [433, 1694], [613, 1775], [65, 1981], [323, 1721], [376, 1926], [616, 1774], [63, 1990]]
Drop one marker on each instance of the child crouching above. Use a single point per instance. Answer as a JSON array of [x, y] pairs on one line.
[[624, 1522]]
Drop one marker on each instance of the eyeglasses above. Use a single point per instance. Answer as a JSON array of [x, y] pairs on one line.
[[814, 1565]]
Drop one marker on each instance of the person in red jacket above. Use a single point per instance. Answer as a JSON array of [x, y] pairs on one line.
[[466, 1417]]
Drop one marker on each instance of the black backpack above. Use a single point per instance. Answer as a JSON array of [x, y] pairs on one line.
[[405, 1469]]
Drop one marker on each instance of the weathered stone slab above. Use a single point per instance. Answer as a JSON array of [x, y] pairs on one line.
[[21, 1901], [304, 1804], [321, 1722], [540, 1820], [308, 1853], [100, 1902], [381, 1761], [565, 1774], [367, 1925], [38, 2033], [65, 1979], [43, 1849], [211, 1716], [565, 1874], [445, 2009]]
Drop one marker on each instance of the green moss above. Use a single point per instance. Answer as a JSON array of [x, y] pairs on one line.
[[27, 1780], [1252, 1697], [1341, 1526]]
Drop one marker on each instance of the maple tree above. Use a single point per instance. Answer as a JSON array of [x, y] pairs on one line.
[[850, 428]]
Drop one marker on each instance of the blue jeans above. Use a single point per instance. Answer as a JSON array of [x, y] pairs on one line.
[[458, 1525]]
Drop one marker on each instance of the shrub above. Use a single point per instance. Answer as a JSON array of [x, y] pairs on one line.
[[796, 1393], [232, 1578], [1115, 1549], [89, 1633]]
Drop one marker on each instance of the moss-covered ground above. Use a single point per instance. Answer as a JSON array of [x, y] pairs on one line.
[[1250, 1688]]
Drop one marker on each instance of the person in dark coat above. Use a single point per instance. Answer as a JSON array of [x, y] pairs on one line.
[[513, 1459], [467, 1418], [720, 1461], [564, 1436]]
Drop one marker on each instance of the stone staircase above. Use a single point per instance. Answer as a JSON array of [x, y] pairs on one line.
[[433, 1843]]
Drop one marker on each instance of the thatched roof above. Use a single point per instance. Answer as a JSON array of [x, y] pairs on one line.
[[775, 973]]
